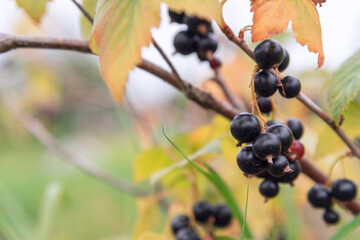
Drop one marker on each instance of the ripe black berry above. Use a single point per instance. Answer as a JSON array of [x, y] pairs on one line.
[[284, 134], [248, 162], [202, 211], [268, 53], [285, 62], [273, 122], [179, 222], [265, 83], [264, 174], [279, 167], [296, 127], [267, 146], [291, 86], [187, 234], [206, 46], [197, 25], [222, 214], [269, 188], [290, 177], [245, 127], [264, 104], [185, 43], [319, 196], [176, 17], [297, 151], [330, 216], [344, 189]]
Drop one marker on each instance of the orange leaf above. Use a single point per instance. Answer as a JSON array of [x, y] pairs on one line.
[[273, 17]]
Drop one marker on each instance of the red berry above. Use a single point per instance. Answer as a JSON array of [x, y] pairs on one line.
[[297, 150], [215, 63]]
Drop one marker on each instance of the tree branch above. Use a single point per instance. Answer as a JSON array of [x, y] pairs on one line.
[[83, 10]]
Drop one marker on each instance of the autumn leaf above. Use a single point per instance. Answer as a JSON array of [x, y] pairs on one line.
[[122, 27], [85, 24], [273, 17], [320, 2], [34, 8]]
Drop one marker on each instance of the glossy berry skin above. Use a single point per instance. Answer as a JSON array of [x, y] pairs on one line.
[[215, 63], [180, 222], [291, 85], [297, 151], [185, 43], [268, 53], [344, 189], [264, 104], [265, 83], [285, 62], [202, 211], [290, 177], [176, 17], [245, 127], [187, 234], [296, 127], [264, 174], [284, 134], [248, 162], [269, 188], [279, 167], [330, 216], [206, 44], [194, 22], [267, 146], [273, 122], [319, 196], [222, 214]]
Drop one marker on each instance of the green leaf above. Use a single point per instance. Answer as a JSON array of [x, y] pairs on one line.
[[86, 26], [347, 229], [221, 186], [34, 8], [246, 205], [292, 222], [224, 238], [344, 86]]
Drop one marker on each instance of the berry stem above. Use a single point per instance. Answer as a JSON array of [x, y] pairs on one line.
[[254, 102], [328, 183], [84, 12]]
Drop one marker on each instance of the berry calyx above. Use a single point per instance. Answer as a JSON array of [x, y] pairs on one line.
[[248, 162], [279, 167], [330, 216], [319, 196], [290, 177], [265, 83], [264, 104], [285, 62], [269, 188], [202, 211], [245, 127], [291, 86], [187, 234], [222, 214], [180, 222], [284, 134], [268, 53], [267, 146], [344, 189], [185, 43], [297, 151], [296, 127]]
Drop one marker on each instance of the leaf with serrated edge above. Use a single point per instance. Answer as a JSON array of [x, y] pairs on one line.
[[122, 27], [34, 8], [273, 17], [344, 86]]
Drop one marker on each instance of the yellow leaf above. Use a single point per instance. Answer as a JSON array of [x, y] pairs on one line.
[[151, 236], [273, 17], [34, 8], [89, 6]]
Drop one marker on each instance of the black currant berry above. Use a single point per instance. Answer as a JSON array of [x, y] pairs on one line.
[[291, 86], [297, 151], [319, 196], [248, 162], [296, 127], [187, 234], [285, 62], [202, 211], [180, 222], [265, 83], [290, 177], [273, 122], [264, 174], [222, 214], [185, 43], [264, 104], [330, 216], [245, 127], [284, 134], [269, 188], [268, 53], [197, 25], [344, 189], [206, 46], [267, 146], [176, 17], [279, 167]]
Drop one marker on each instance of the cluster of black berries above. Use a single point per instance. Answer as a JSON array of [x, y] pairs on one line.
[[269, 54], [322, 197], [265, 154], [197, 38], [204, 213]]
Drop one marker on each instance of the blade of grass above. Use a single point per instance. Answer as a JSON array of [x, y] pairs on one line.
[[246, 205], [347, 229], [292, 224], [274, 231], [220, 185]]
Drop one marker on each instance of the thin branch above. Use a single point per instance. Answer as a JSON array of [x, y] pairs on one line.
[[83, 10], [44, 136]]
